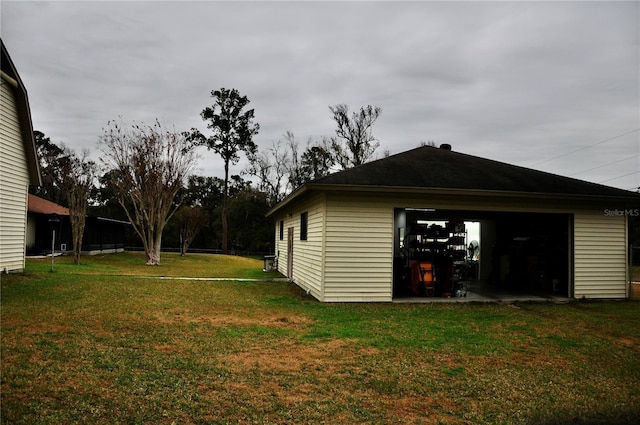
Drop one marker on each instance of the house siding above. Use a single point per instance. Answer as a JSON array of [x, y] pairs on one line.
[[308, 257], [281, 245], [358, 251], [600, 256], [14, 182]]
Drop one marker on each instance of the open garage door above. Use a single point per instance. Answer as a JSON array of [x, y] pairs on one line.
[[479, 254]]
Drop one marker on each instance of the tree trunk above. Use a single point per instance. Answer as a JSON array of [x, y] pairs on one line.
[[224, 208], [77, 229], [77, 240], [153, 257], [153, 254], [77, 210]]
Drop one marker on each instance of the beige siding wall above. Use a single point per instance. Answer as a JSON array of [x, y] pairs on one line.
[[308, 261], [359, 250], [360, 237], [600, 256], [348, 256], [281, 246], [14, 181]]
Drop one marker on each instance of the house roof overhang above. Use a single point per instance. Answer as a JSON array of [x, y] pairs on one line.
[[11, 77], [38, 205]]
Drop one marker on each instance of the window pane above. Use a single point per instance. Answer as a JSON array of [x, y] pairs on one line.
[[303, 226]]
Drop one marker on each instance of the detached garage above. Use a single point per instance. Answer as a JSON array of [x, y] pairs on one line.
[[431, 222]]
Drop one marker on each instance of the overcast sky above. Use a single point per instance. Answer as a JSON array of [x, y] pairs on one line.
[[553, 86]]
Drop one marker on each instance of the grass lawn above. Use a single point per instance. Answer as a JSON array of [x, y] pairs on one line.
[[635, 288], [98, 344]]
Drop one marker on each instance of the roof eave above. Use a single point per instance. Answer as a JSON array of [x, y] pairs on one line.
[[286, 201], [564, 198], [24, 114], [474, 192]]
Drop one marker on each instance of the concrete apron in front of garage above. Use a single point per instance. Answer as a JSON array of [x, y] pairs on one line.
[[480, 293]]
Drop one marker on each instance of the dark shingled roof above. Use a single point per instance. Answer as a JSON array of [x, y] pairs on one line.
[[437, 168]]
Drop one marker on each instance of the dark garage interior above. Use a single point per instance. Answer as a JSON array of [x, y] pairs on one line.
[[441, 254]]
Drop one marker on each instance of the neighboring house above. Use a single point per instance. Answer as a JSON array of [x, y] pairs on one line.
[[40, 229], [358, 234], [18, 165], [101, 235]]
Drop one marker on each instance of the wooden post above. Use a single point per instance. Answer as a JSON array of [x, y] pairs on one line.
[[53, 246]]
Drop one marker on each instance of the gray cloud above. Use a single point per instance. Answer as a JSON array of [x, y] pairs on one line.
[[520, 82]]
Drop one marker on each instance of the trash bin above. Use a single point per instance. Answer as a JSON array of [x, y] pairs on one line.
[[269, 261]]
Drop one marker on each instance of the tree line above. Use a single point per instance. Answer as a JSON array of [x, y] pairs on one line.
[[145, 176]]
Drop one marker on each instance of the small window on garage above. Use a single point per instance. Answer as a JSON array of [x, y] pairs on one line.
[[281, 229], [304, 218]]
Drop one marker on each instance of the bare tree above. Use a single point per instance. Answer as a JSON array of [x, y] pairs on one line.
[[294, 164], [191, 220], [78, 178], [271, 167], [355, 132], [152, 164], [281, 168], [233, 131], [318, 160]]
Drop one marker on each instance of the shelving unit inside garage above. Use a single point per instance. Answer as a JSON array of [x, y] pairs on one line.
[[434, 259]]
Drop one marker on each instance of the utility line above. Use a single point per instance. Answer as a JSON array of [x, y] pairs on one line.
[[587, 147], [619, 177], [605, 165]]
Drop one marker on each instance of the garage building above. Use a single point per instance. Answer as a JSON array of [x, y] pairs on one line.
[[431, 222]]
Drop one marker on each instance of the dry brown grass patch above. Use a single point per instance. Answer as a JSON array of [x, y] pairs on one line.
[[287, 356], [235, 317]]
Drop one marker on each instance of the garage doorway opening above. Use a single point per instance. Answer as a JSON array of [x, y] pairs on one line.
[[479, 255]]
